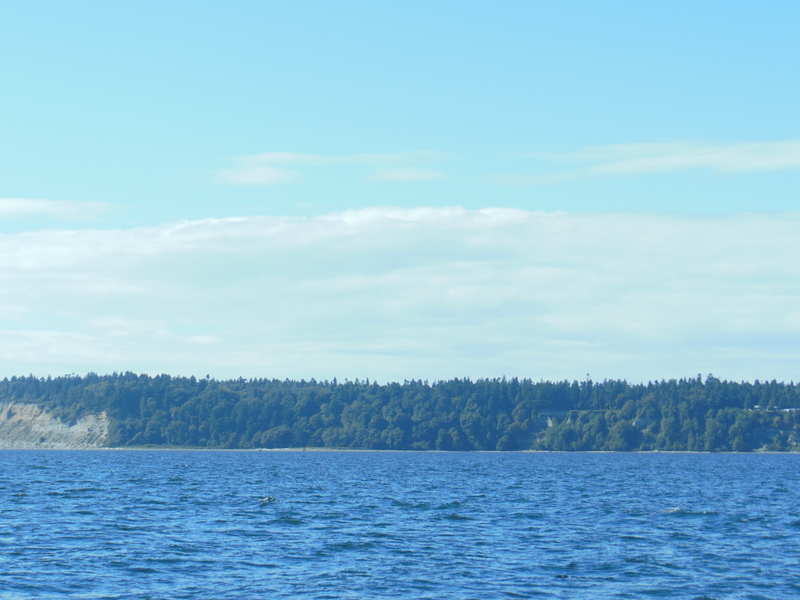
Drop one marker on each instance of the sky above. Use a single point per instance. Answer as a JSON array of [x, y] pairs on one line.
[[400, 190]]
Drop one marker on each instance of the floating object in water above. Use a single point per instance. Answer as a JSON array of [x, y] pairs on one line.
[[267, 500]]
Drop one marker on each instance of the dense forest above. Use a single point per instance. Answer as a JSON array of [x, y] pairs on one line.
[[459, 414]]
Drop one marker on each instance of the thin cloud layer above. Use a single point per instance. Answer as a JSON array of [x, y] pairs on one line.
[[609, 160], [17, 208], [283, 167], [637, 159], [391, 293], [730, 158]]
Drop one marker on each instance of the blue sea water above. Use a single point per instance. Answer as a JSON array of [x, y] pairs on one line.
[[195, 524]]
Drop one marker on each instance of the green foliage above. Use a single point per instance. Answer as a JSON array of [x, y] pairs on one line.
[[497, 414]]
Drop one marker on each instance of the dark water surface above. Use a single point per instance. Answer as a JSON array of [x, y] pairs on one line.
[[113, 524]]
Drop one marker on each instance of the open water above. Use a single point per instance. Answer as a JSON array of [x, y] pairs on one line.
[[123, 524]]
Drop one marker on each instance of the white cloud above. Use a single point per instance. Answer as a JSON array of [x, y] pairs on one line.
[[732, 158], [635, 159], [14, 208], [282, 167], [392, 293]]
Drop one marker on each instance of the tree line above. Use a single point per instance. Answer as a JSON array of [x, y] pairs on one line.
[[459, 414]]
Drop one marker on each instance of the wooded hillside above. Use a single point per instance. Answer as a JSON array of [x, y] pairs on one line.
[[496, 414]]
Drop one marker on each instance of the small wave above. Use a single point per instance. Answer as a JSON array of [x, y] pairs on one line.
[[378, 534], [333, 516], [166, 560], [416, 506], [155, 502], [513, 594], [534, 516], [184, 549], [84, 490], [641, 558], [456, 517], [286, 520], [344, 546], [325, 502], [749, 519], [259, 565], [142, 570], [682, 512]]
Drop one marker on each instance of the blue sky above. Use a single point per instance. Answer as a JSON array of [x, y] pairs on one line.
[[165, 165]]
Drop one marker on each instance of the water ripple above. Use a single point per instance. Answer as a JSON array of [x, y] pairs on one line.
[[397, 525]]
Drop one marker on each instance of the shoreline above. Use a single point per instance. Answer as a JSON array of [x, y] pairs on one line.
[[370, 450]]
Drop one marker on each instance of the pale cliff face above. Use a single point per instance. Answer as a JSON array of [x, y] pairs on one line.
[[28, 426]]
